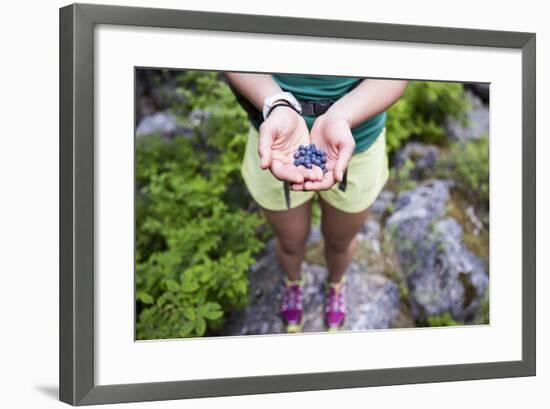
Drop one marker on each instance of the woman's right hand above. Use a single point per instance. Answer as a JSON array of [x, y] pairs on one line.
[[281, 134]]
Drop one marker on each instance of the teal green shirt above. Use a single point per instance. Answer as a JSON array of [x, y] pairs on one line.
[[316, 87]]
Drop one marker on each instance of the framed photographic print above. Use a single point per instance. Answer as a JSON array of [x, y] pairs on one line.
[[257, 204]]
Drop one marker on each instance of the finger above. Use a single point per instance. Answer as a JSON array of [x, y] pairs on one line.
[[325, 184], [267, 135], [286, 173], [344, 156], [298, 187], [308, 174], [318, 174]]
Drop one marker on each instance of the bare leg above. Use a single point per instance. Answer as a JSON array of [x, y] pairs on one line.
[[339, 230], [291, 229]]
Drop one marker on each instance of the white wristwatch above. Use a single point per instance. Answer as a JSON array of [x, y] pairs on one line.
[[287, 96]]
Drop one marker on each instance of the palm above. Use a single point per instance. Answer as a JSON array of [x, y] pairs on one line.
[[335, 138], [280, 137], [283, 149]]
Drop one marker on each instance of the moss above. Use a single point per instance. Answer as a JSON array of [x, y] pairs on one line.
[[476, 243], [401, 177], [470, 292], [403, 318], [403, 292], [442, 320], [482, 316], [467, 163]]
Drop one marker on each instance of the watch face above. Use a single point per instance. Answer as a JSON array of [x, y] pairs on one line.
[[282, 96]]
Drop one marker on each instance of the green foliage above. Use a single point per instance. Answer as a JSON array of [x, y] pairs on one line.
[[402, 176], [442, 320], [421, 112], [195, 239], [467, 164]]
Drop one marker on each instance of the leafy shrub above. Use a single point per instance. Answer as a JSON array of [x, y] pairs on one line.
[[467, 163], [195, 240], [421, 112]]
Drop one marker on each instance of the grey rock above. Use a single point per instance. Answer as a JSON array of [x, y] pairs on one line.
[[442, 275], [373, 300], [370, 234], [423, 156], [384, 200], [166, 94], [164, 122], [156, 91], [476, 222], [419, 206], [315, 235], [477, 122], [197, 117], [370, 230]]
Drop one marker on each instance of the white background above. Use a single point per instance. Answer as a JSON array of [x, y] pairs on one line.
[[29, 222], [121, 360]]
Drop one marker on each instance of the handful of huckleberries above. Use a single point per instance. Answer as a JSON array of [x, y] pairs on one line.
[[309, 155]]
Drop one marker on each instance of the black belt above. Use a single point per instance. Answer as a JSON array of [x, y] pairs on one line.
[[315, 108]]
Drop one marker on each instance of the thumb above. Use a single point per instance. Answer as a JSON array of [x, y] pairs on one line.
[[344, 156], [267, 134]]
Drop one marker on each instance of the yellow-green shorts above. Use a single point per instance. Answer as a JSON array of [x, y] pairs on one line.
[[367, 174]]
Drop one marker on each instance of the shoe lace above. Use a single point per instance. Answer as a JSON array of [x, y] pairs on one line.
[[336, 298], [293, 296]]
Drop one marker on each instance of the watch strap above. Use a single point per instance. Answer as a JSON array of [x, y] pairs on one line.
[[284, 96], [282, 103]]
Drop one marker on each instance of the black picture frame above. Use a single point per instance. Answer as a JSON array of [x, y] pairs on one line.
[[76, 178]]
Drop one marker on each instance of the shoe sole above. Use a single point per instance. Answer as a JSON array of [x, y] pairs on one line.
[[334, 328], [293, 328]]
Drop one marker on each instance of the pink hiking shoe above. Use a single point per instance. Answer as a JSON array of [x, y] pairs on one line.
[[291, 305], [335, 305]]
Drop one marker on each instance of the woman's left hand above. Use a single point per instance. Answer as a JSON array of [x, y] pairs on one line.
[[333, 135]]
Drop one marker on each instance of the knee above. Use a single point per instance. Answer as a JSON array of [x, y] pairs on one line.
[[292, 246], [340, 244]]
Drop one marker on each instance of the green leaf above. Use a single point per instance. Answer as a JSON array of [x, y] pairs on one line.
[[189, 313], [213, 315], [172, 285], [186, 328], [206, 276], [160, 301], [144, 297], [189, 286], [200, 326], [209, 307], [203, 309]]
